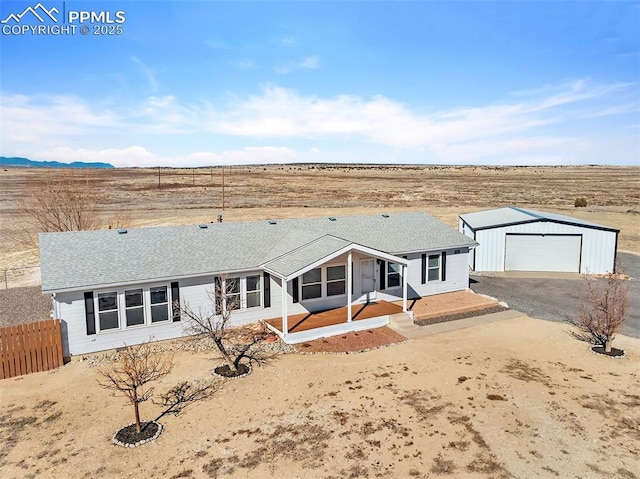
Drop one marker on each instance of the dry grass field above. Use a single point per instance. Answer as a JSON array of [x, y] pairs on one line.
[[519, 398], [132, 196]]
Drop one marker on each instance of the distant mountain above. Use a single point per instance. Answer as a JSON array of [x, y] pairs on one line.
[[25, 162]]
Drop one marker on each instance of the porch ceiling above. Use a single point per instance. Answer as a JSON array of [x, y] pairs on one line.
[[306, 321]]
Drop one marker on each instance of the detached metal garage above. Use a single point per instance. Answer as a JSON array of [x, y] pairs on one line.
[[516, 239]]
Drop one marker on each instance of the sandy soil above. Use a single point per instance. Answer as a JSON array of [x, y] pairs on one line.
[[518, 398], [131, 197]]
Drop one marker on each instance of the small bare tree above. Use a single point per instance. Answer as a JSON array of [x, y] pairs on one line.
[[604, 310], [183, 394], [137, 367], [61, 205], [235, 344]]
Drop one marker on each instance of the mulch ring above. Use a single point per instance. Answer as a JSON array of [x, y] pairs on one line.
[[357, 342], [453, 317], [615, 352], [128, 437], [226, 372]]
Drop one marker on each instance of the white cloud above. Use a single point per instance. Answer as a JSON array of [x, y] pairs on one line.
[[137, 156], [147, 72], [307, 63], [288, 41], [34, 120], [491, 133], [245, 64]]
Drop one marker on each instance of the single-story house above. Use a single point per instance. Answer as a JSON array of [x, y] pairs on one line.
[[116, 287], [517, 239]]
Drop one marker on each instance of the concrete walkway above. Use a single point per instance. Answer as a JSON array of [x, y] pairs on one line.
[[401, 323]]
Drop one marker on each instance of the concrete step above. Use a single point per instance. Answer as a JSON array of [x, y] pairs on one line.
[[400, 319], [412, 331]]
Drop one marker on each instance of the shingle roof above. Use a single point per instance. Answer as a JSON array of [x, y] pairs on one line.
[[85, 259], [513, 215], [297, 259]]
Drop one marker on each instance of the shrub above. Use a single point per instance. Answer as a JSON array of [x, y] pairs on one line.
[[580, 203]]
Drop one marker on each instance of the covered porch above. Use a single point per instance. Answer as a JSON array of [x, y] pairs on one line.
[[318, 278], [309, 326]]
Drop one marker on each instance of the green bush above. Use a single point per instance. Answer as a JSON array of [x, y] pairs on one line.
[[580, 203]]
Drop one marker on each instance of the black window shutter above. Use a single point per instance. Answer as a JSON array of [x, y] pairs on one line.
[[295, 288], [266, 277], [444, 266], [383, 274], [424, 268], [352, 281], [175, 298], [90, 315]]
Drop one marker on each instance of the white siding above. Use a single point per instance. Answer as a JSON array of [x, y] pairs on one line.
[[76, 341], [468, 231], [194, 292], [597, 254]]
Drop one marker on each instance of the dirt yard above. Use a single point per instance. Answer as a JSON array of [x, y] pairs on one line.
[[131, 197], [514, 399], [518, 398]]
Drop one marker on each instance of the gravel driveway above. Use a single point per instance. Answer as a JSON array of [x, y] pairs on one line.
[[558, 299]]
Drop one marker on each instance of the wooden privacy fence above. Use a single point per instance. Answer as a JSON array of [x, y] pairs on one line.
[[29, 348]]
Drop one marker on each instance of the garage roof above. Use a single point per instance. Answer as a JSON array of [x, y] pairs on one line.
[[512, 215]]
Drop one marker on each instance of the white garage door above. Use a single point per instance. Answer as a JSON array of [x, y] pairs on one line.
[[543, 253]]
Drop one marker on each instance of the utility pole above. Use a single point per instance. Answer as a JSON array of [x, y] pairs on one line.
[[223, 188]]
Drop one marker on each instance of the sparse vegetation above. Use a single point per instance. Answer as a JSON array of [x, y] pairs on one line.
[[580, 202], [137, 366], [235, 345], [604, 309]]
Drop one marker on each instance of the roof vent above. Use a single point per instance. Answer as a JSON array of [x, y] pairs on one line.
[[384, 215], [122, 231], [203, 226], [332, 218], [272, 222]]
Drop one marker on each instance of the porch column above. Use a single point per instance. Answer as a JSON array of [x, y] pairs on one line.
[[348, 286], [405, 287], [285, 325]]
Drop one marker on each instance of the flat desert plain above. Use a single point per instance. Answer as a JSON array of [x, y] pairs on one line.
[[518, 398], [137, 197]]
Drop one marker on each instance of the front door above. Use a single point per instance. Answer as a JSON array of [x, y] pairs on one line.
[[368, 277]]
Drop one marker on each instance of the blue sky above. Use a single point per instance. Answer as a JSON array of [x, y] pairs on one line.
[[191, 83]]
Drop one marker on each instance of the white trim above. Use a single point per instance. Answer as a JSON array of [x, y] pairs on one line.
[[323, 284], [348, 285], [107, 286], [122, 307], [405, 288], [333, 330], [352, 247], [242, 289], [285, 319]]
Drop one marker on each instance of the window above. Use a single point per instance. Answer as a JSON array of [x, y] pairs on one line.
[[159, 304], [336, 280], [134, 307], [232, 297], [253, 292], [312, 284], [433, 268], [393, 275], [108, 311], [138, 307]]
